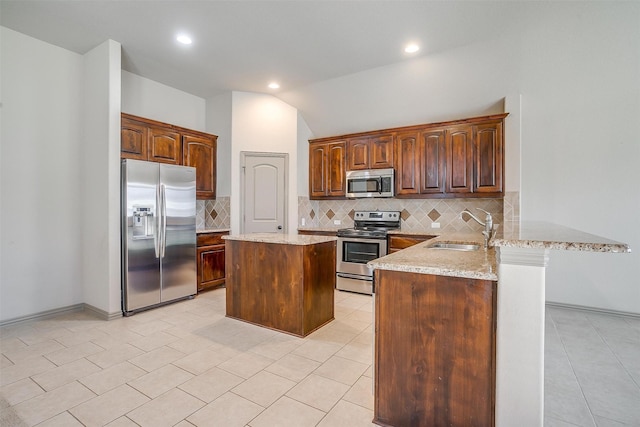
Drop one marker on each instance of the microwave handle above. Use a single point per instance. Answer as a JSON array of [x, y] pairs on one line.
[[379, 185]]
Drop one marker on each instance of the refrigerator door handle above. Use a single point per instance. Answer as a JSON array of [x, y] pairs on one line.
[[163, 214], [156, 232]]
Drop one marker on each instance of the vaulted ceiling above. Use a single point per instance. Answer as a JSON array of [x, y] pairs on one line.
[[244, 45]]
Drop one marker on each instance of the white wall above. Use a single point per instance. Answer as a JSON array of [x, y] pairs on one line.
[[40, 156], [262, 123], [577, 67], [219, 123], [153, 100], [100, 183], [304, 135]]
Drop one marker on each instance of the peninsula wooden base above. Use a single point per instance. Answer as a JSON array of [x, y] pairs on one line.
[[285, 287], [434, 350]]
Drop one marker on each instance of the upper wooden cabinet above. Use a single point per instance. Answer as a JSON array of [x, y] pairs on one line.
[[373, 152], [454, 159], [145, 139], [200, 153], [460, 158], [164, 146], [327, 169]]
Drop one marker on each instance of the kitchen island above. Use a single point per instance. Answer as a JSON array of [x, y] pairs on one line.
[[472, 324], [282, 282]]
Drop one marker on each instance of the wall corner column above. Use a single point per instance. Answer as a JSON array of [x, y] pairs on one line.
[[520, 336]]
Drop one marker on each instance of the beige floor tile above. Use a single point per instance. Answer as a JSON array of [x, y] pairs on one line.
[[122, 422], [109, 406], [319, 392], [246, 365], [112, 377], [342, 370], [293, 367], [287, 412], [318, 350], [263, 388], [211, 384], [20, 391], [361, 393], [153, 341], [331, 335], [346, 414], [277, 346], [161, 380], [81, 337], [191, 343], [229, 410], [369, 372], [25, 354], [114, 355], [203, 360], [150, 328], [21, 371], [70, 354], [157, 358], [47, 405], [64, 419], [4, 362], [166, 410], [65, 374], [358, 352], [38, 335]]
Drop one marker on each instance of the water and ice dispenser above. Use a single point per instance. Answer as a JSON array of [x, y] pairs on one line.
[[143, 222]]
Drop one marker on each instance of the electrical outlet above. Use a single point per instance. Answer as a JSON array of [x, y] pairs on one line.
[[303, 221], [435, 225], [337, 222]]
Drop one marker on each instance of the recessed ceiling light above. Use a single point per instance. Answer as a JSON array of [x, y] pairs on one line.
[[184, 39], [274, 85], [412, 48]]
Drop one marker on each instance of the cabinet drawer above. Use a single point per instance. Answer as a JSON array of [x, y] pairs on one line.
[[397, 242], [208, 239]]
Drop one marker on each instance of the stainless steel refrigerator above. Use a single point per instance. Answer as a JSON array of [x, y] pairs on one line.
[[158, 234]]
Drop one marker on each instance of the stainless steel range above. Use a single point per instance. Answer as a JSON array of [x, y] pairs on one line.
[[366, 241]]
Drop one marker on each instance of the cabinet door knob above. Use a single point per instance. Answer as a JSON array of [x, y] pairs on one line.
[[279, 227]]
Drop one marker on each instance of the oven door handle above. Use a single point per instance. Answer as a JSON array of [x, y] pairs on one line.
[[355, 276]]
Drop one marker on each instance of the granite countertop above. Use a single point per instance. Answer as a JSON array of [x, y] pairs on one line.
[[545, 235], [480, 264], [282, 239], [320, 229], [213, 230]]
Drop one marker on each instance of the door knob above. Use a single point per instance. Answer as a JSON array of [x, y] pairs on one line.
[[279, 227]]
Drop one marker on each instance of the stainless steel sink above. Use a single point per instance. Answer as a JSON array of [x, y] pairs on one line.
[[454, 246]]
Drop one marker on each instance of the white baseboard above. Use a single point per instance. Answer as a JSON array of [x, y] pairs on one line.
[[43, 315], [593, 309]]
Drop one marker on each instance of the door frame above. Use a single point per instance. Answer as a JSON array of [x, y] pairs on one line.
[[243, 157]]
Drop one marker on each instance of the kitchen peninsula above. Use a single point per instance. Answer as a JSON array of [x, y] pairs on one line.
[[282, 282], [459, 336]]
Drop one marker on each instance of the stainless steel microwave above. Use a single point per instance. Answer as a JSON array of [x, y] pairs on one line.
[[370, 183]]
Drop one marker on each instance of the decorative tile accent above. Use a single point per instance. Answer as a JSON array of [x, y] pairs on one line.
[[312, 214], [352, 214], [330, 214], [405, 215], [434, 215], [213, 213]]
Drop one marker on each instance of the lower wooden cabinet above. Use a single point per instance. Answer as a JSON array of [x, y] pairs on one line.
[[434, 350], [211, 260], [398, 242]]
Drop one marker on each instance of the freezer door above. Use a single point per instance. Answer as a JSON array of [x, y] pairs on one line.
[[178, 202], [140, 265]]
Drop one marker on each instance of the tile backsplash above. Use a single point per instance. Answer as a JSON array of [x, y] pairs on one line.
[[213, 213], [417, 214]]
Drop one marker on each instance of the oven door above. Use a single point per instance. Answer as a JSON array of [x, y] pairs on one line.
[[353, 254]]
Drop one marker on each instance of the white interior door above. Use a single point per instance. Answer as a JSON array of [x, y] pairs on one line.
[[264, 192]]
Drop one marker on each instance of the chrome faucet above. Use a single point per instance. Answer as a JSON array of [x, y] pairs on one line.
[[487, 224]]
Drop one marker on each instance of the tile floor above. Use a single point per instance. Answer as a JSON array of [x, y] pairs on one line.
[[187, 365]]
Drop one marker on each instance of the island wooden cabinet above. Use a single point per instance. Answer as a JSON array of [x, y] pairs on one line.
[[327, 170], [372, 152], [435, 339], [211, 260], [150, 140]]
